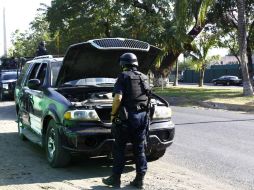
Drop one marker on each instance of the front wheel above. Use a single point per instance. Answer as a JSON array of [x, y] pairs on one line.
[[155, 155], [56, 155]]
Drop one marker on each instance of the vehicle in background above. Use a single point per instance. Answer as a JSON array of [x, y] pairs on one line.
[[8, 81], [227, 80]]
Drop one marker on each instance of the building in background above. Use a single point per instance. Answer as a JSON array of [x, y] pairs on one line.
[[230, 59]]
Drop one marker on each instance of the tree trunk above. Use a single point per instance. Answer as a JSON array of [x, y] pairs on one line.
[[171, 57], [247, 87], [160, 81], [176, 75], [157, 82], [201, 77], [249, 55]]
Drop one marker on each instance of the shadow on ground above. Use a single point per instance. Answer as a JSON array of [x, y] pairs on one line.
[[25, 163]]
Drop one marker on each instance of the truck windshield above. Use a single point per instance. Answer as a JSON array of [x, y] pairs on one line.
[[55, 68]]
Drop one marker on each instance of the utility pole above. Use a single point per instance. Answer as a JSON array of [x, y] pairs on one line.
[[4, 31]]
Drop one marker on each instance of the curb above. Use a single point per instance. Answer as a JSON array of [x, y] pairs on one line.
[[231, 107]]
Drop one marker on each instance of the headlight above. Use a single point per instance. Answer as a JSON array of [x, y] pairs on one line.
[[87, 115], [162, 112], [5, 86]]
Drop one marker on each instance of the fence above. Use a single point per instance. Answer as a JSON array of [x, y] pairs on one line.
[[216, 71]]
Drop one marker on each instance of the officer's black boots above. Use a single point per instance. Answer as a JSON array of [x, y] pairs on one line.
[[138, 182], [114, 180]]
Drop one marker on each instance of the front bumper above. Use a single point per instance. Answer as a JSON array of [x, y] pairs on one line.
[[97, 140], [7, 92]]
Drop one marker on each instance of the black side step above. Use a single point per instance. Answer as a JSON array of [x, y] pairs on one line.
[[32, 136]]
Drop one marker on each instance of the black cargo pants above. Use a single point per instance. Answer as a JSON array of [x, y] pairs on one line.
[[134, 131]]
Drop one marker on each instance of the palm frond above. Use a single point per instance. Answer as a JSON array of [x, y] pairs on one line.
[[204, 8]]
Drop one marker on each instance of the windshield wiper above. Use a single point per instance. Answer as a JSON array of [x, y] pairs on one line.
[[66, 85], [86, 85], [106, 83]]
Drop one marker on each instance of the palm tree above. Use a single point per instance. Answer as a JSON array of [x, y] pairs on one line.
[[247, 87], [190, 19], [200, 56]]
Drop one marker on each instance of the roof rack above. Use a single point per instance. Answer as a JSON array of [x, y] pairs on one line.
[[44, 57]]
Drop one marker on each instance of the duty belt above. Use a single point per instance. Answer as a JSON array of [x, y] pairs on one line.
[[137, 108]]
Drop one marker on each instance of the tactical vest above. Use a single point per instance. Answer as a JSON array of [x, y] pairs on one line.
[[136, 94]]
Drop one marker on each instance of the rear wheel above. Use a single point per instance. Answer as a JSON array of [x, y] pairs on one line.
[[215, 83], [20, 128], [56, 155], [155, 155], [228, 83]]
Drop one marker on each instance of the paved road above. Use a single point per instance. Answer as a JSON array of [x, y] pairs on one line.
[[23, 167], [219, 144]]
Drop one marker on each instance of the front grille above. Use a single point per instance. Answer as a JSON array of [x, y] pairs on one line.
[[120, 43], [104, 114]]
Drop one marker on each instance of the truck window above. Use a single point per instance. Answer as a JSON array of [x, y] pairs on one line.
[[22, 74], [42, 73], [32, 74]]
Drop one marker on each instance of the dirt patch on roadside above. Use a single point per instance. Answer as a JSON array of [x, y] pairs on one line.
[[23, 166]]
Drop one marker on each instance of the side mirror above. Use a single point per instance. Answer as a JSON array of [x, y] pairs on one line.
[[34, 84]]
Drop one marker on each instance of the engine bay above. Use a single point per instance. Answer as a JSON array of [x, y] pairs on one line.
[[88, 98]]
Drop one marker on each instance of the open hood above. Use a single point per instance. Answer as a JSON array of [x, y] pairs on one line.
[[100, 58]]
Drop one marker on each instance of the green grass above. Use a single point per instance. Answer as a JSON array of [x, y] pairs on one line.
[[195, 95]]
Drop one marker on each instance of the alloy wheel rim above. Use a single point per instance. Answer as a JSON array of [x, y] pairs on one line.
[[20, 129], [51, 144]]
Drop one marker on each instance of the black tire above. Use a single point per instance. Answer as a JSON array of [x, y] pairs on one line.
[[215, 83], [228, 83], [56, 155], [155, 155], [20, 128], [1, 96]]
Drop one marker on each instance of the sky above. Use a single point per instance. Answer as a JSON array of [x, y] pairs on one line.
[[18, 15]]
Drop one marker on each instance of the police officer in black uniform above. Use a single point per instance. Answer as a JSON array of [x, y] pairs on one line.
[[130, 120]]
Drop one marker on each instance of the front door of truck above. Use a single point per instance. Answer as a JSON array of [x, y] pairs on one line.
[[37, 100], [24, 97]]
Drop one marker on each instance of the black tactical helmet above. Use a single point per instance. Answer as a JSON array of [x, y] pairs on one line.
[[42, 43], [129, 59]]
